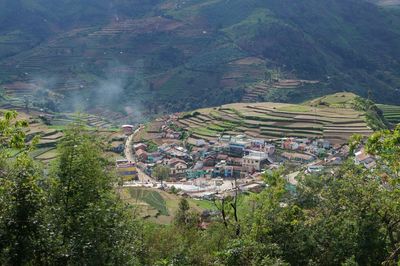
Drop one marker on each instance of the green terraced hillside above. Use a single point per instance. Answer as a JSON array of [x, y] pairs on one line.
[[391, 113], [275, 120], [49, 129]]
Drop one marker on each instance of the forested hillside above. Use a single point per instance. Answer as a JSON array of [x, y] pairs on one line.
[[179, 55]]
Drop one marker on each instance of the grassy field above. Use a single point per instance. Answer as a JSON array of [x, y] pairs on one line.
[[148, 203], [329, 117], [339, 100], [152, 198], [158, 206], [203, 204]]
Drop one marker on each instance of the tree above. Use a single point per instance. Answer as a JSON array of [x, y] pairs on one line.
[[183, 216], [327, 220], [161, 173], [12, 134], [91, 224], [386, 144], [22, 198]]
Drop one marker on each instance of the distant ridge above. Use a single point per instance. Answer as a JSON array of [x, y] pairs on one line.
[[175, 55]]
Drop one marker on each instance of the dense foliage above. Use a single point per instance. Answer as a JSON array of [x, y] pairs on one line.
[[374, 115], [71, 215]]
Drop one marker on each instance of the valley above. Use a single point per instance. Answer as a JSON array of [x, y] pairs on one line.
[[200, 132]]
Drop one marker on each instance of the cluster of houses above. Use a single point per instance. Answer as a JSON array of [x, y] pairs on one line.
[[316, 147], [236, 156], [173, 156], [233, 157], [170, 133], [227, 157]]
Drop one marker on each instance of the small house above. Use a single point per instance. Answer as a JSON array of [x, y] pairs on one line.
[[298, 157], [141, 155], [209, 161], [361, 157], [154, 157], [177, 166], [126, 169], [237, 147], [196, 142], [222, 157], [127, 129], [269, 149], [140, 146]]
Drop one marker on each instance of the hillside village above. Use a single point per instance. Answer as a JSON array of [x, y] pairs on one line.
[[202, 168]]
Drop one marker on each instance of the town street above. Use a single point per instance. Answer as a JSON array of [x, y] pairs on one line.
[[129, 154], [147, 181]]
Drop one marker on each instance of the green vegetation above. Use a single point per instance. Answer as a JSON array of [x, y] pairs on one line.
[[161, 172], [160, 209], [70, 216], [204, 204], [391, 113], [153, 198], [338, 100], [74, 215], [295, 108], [374, 116], [151, 145]]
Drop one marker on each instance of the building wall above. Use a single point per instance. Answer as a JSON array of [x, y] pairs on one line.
[[251, 164], [128, 173]]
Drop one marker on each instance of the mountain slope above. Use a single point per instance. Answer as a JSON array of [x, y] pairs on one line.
[[331, 117], [146, 57]]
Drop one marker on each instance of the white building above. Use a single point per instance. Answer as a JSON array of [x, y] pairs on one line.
[[315, 168], [127, 129], [254, 161], [361, 157]]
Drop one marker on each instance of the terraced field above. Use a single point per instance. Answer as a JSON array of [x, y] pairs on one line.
[[256, 91], [276, 120], [49, 129], [391, 113]]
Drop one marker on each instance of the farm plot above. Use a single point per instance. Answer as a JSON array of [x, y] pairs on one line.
[[47, 156], [151, 197], [155, 205]]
